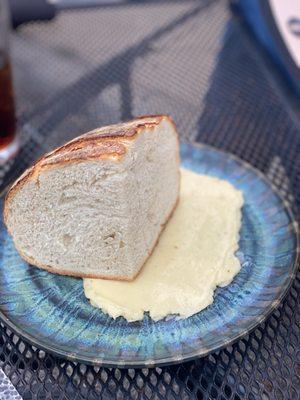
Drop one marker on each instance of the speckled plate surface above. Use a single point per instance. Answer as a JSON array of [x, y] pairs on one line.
[[51, 312]]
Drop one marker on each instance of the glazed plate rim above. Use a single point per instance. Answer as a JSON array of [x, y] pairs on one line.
[[98, 361]]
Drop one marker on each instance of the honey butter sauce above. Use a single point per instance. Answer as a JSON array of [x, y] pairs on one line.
[[194, 255]]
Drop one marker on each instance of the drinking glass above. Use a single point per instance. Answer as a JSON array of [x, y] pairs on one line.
[[8, 139]]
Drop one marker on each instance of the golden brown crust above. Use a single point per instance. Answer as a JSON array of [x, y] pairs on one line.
[[106, 141]]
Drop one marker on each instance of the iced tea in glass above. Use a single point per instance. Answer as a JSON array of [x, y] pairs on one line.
[[8, 140]]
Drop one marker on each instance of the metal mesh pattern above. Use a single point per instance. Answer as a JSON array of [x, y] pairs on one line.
[[192, 60]]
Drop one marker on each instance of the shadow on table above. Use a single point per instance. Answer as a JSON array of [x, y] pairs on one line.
[[246, 113], [72, 98]]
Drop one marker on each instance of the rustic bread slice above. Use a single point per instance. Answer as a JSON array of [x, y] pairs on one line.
[[95, 207]]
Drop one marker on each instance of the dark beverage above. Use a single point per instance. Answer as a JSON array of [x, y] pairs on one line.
[[9, 143], [7, 107]]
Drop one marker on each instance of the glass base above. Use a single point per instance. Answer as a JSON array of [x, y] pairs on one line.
[[9, 151]]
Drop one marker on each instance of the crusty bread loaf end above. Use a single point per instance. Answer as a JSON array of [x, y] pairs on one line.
[[95, 206]]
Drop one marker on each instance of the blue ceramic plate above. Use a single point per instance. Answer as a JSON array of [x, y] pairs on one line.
[[51, 312]]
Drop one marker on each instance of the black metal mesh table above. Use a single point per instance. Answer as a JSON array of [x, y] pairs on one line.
[[191, 59]]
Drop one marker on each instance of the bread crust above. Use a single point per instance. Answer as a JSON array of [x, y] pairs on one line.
[[109, 142]]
